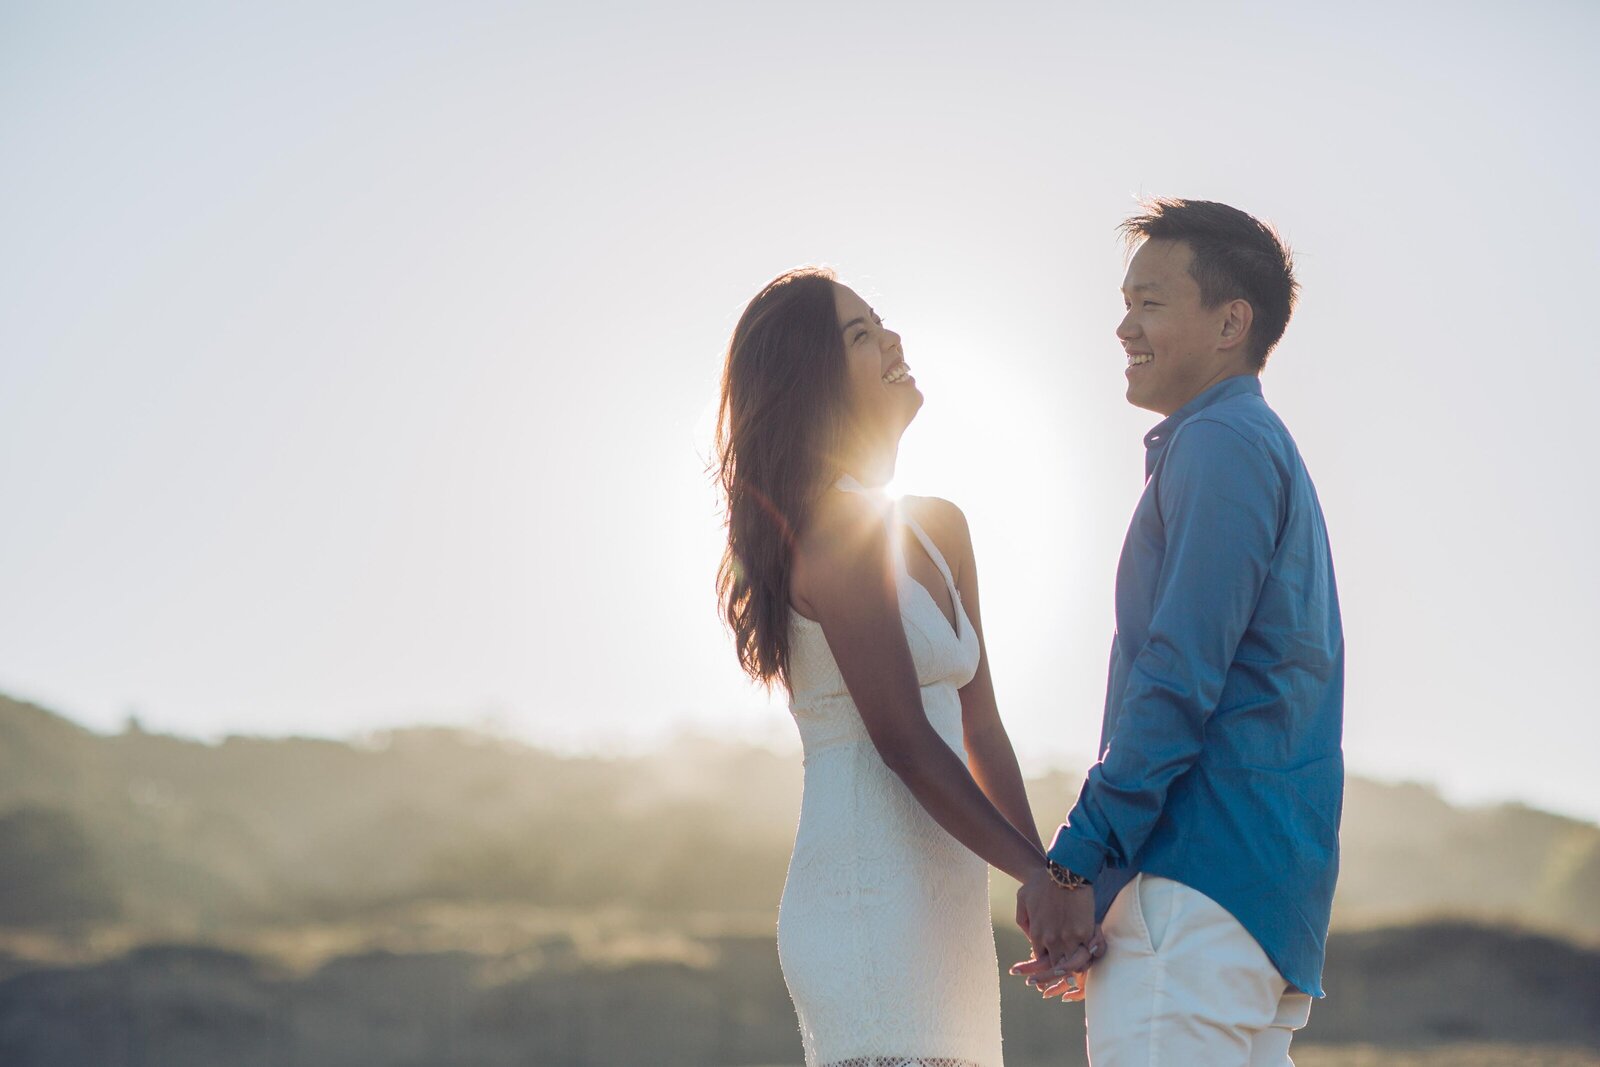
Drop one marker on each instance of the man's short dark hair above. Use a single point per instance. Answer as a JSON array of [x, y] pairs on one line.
[[1235, 257]]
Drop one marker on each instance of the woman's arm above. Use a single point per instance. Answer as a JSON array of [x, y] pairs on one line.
[[844, 578], [989, 751]]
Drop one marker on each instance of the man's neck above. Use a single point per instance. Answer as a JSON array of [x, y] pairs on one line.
[[1216, 380]]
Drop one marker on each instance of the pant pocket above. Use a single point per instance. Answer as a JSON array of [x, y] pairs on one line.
[[1156, 899], [1294, 1010], [1123, 925]]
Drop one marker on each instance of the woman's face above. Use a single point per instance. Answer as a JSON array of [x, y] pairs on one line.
[[883, 396]]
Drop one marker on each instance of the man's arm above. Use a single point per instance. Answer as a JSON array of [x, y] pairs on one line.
[[1222, 502]]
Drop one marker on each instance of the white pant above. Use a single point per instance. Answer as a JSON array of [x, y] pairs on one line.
[[1182, 984]]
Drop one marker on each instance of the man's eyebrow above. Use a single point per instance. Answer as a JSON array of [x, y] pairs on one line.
[[1141, 287]]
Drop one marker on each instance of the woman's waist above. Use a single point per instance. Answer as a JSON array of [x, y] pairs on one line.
[[853, 748], [880, 827], [834, 722], [847, 765]]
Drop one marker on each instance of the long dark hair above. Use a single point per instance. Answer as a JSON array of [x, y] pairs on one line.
[[779, 421]]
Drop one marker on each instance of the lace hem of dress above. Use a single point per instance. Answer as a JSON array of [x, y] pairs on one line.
[[901, 1061]]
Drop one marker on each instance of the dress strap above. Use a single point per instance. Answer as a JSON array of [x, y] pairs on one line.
[[889, 509], [847, 483], [933, 552], [893, 515]]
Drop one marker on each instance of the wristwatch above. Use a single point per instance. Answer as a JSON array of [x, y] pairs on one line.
[[1065, 878]]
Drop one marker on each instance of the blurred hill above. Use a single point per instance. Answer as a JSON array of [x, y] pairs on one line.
[[434, 896], [184, 836]]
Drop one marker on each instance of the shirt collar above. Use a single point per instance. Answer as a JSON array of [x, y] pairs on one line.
[[1155, 442], [1238, 385]]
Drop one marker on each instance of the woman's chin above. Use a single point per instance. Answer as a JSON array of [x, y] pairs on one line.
[[911, 412]]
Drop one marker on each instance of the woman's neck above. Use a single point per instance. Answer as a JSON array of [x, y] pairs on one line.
[[873, 470]]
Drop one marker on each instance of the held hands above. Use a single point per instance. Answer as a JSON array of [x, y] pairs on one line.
[[1050, 982], [1053, 982], [1060, 925]]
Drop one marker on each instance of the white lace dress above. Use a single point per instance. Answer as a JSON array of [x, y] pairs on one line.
[[884, 932]]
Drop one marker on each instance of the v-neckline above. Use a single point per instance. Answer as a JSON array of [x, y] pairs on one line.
[[949, 585], [849, 484]]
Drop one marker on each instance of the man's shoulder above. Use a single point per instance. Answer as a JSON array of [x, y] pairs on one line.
[[1238, 442], [1246, 416]]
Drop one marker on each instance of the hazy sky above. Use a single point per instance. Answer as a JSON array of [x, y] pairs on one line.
[[357, 361]]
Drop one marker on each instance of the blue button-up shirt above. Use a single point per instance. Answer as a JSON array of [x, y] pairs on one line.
[[1220, 762]]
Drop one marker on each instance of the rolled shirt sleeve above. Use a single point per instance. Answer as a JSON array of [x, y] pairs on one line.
[[1221, 502]]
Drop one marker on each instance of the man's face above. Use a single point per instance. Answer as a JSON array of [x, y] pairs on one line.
[[1176, 347]]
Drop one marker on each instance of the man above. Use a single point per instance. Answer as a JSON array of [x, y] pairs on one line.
[[1205, 839]]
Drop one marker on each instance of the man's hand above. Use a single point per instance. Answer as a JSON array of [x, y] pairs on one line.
[[1069, 987], [1060, 925]]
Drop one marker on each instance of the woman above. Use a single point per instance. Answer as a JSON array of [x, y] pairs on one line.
[[849, 602]]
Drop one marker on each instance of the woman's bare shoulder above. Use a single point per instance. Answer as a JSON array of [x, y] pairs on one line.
[[836, 520], [843, 531], [944, 522]]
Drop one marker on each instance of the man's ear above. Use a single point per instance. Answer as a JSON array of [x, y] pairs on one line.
[[1237, 316]]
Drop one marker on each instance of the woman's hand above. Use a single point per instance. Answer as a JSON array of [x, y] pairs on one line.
[[1051, 982]]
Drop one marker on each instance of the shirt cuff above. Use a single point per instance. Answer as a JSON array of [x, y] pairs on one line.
[[1078, 856]]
